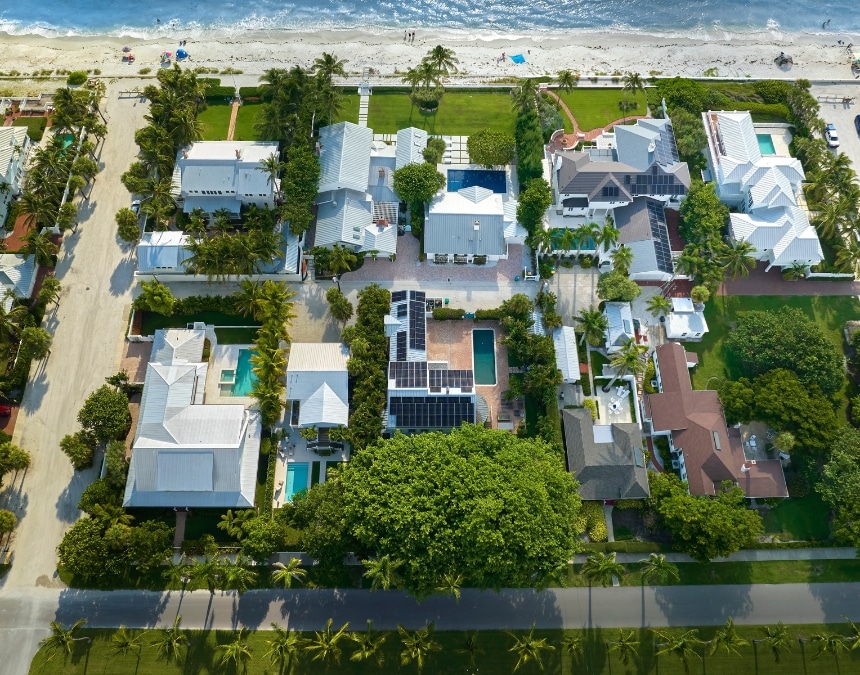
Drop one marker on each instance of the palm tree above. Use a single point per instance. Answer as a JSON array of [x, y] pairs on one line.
[[566, 241], [541, 240], [633, 83], [829, 643], [238, 576], [207, 573], [601, 568], [272, 167], [236, 652], [382, 572], [470, 648], [622, 258], [368, 644], [737, 258], [125, 641], [776, 638], [584, 234], [170, 641], [854, 639], [529, 648], [232, 523], [284, 649], [413, 78], [10, 321], [627, 360], [607, 235], [683, 646], [566, 80], [286, 574], [39, 244], [656, 569], [62, 638], [417, 646], [325, 646], [450, 584], [109, 515], [626, 646], [593, 325], [658, 305], [572, 645], [525, 96], [177, 573], [341, 259], [328, 65], [443, 59], [832, 217], [727, 638]]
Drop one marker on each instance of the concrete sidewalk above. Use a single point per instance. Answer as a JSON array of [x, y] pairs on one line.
[[747, 555]]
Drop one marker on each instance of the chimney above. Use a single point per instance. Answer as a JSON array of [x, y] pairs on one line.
[[184, 153], [238, 153], [477, 225]]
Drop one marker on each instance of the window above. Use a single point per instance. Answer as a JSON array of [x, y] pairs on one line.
[[610, 191]]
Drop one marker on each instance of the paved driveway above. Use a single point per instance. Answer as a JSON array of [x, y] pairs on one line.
[[576, 289], [842, 115]]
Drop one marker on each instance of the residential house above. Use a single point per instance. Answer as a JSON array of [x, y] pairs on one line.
[[766, 190], [188, 453], [18, 273], [704, 451], [566, 354], [621, 328], [607, 460], [642, 228], [14, 148], [318, 385], [215, 175], [162, 252], [630, 163], [422, 395], [686, 321]]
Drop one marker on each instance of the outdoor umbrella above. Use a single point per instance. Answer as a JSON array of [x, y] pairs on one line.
[[181, 54]]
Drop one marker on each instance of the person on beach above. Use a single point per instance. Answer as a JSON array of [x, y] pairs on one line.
[[405, 33]]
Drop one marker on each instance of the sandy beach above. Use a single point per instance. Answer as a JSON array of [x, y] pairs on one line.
[[387, 55]]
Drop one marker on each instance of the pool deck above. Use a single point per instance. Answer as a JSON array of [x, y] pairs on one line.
[[295, 450], [224, 357], [451, 341]]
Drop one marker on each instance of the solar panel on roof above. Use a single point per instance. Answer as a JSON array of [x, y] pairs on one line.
[[431, 412], [660, 236], [398, 296], [401, 346]]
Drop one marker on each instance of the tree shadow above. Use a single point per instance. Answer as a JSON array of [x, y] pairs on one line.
[[122, 277], [251, 609], [683, 605], [836, 600], [594, 646], [136, 609]]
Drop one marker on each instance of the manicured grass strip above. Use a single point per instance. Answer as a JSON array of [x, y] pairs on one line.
[[595, 108], [803, 518], [236, 336], [349, 109], [460, 113], [152, 321], [215, 121], [246, 118], [315, 473], [493, 655]]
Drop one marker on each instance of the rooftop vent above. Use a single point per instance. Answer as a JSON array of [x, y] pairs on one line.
[[477, 225], [238, 153]]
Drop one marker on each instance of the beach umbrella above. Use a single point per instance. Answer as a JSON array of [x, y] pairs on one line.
[[181, 54], [165, 55]]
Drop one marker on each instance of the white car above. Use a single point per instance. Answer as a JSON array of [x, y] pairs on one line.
[[831, 137], [135, 206]]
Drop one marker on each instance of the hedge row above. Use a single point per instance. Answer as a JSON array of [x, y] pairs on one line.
[[249, 92], [626, 547], [775, 109], [448, 313], [488, 314]]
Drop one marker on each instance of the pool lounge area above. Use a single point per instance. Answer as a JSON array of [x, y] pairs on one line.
[[484, 356], [765, 144], [231, 378], [297, 479]]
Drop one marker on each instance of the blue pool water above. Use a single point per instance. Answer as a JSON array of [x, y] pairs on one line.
[[765, 144], [492, 180], [245, 378], [297, 479], [484, 356]]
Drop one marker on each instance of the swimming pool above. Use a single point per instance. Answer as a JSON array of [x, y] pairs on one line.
[[765, 144], [484, 355], [462, 178], [245, 378], [297, 479]]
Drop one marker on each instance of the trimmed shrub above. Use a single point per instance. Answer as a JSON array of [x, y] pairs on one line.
[[775, 109], [76, 78], [625, 504], [448, 313], [585, 383], [591, 405], [249, 92], [488, 314], [595, 525]]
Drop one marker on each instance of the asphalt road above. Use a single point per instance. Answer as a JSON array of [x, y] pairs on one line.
[[842, 115]]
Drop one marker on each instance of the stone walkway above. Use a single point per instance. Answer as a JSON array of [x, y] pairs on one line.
[[747, 555], [234, 113]]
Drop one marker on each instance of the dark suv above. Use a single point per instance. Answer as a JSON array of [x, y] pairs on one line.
[[857, 124]]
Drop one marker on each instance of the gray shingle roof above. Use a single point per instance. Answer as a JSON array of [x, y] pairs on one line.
[[605, 470]]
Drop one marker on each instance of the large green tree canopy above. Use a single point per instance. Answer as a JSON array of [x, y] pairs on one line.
[[482, 503], [418, 182], [787, 338], [840, 486]]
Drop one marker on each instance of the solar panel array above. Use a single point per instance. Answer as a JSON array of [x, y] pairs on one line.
[[431, 412], [660, 236], [401, 346], [666, 151], [459, 379], [408, 374], [417, 324], [661, 183], [398, 296]]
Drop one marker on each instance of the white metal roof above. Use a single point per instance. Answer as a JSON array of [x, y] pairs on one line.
[[323, 407], [410, 146], [344, 157], [18, 275], [620, 316], [566, 355], [317, 377]]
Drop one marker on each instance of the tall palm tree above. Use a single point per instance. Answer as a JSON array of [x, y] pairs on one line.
[[238, 576], [170, 641], [528, 648], [658, 305], [10, 321], [573, 646], [443, 59], [272, 167], [727, 638], [417, 645], [412, 77], [328, 65], [125, 641], [109, 515], [524, 97], [829, 643], [586, 234], [341, 259], [627, 361], [285, 575], [622, 258], [601, 568], [737, 258], [39, 244], [236, 652], [776, 638], [683, 646], [566, 80], [541, 240], [382, 572], [470, 648], [325, 645], [626, 646], [368, 645], [63, 639], [607, 235], [450, 584], [593, 324], [633, 83], [284, 649], [566, 241], [656, 569]]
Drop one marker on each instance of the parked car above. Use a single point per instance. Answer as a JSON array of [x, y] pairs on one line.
[[135, 206], [831, 136], [857, 124]]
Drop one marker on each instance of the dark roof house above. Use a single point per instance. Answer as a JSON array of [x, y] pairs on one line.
[[607, 460]]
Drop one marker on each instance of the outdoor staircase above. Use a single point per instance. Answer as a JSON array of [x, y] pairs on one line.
[[363, 100]]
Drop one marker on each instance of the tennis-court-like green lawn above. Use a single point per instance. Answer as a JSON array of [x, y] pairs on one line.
[[595, 108], [215, 120], [490, 653], [460, 113]]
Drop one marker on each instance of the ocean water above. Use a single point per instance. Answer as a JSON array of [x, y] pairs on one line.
[[714, 19]]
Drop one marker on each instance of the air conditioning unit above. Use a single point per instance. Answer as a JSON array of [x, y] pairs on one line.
[[676, 464]]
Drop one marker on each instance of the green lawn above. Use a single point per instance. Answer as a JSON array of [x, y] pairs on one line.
[[349, 110], [215, 121], [246, 118], [461, 113], [595, 108], [493, 655], [236, 336], [805, 518], [152, 322]]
